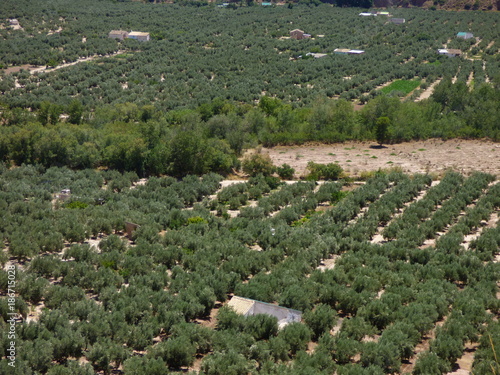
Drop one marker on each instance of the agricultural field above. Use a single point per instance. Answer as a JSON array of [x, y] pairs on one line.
[[139, 190], [397, 273], [198, 53], [401, 87]]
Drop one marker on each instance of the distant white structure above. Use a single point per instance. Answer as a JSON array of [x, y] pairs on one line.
[[465, 35], [118, 34], [63, 195], [250, 307], [347, 51], [14, 24], [450, 52], [138, 35], [366, 14], [122, 34], [397, 21], [316, 55]]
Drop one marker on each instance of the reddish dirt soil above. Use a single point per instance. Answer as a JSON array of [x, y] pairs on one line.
[[431, 156]]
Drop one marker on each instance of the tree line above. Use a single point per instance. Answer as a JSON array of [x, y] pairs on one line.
[[148, 141]]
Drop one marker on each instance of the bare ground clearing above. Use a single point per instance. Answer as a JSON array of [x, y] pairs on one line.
[[434, 155]]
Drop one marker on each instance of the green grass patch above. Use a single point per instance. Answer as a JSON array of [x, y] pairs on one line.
[[401, 85], [76, 205]]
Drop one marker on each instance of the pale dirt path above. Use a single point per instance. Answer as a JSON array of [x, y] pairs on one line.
[[464, 363], [428, 91], [37, 69], [422, 346], [45, 69], [431, 156]]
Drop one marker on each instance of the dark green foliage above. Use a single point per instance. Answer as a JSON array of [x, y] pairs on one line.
[[225, 363], [296, 336], [382, 129], [257, 164], [228, 319], [71, 367], [145, 365], [285, 172], [331, 171], [75, 112], [320, 320], [486, 358], [176, 352], [430, 364], [261, 326], [200, 336]]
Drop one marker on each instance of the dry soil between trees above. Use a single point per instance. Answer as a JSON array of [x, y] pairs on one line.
[[431, 156]]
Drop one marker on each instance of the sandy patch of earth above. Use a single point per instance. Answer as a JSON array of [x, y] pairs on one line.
[[435, 155]]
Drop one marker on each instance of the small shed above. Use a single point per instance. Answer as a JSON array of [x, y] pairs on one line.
[[397, 21], [13, 22], [250, 307], [138, 35], [64, 195], [297, 34], [355, 52], [341, 51], [130, 228], [465, 35], [117, 34], [450, 52], [316, 55]]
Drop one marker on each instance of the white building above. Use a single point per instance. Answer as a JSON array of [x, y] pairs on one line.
[[117, 34], [250, 307], [464, 35], [450, 52], [138, 35]]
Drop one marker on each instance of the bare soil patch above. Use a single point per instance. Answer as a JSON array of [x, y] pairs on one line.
[[428, 91], [464, 363], [435, 155]]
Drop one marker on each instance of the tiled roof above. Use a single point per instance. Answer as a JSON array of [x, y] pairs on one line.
[[241, 305]]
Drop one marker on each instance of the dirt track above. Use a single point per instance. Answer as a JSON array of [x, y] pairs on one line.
[[432, 156]]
